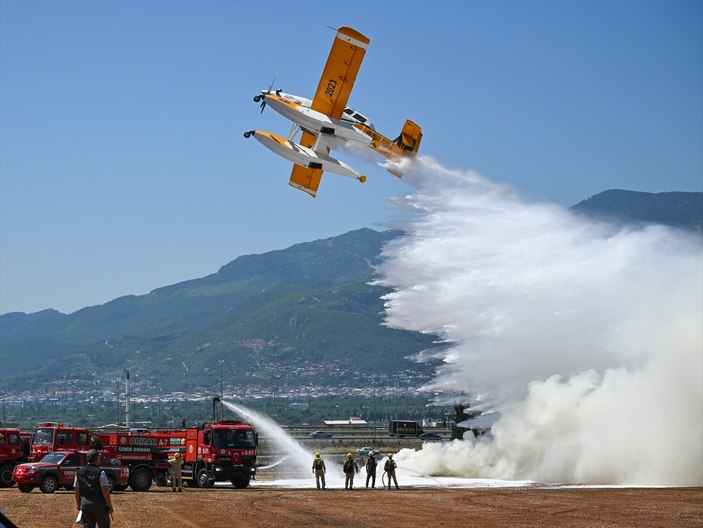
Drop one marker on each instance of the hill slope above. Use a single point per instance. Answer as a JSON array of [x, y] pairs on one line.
[[300, 315], [679, 209]]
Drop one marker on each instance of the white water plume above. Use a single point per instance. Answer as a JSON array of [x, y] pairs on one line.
[[296, 458], [588, 338]]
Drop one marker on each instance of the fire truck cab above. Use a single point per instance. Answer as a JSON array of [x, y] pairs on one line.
[[14, 449], [56, 436]]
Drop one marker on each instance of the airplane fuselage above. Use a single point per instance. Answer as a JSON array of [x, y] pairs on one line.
[[350, 115], [314, 121]]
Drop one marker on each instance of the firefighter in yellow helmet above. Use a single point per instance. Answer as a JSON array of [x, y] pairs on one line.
[[389, 468], [319, 470], [176, 479], [350, 468]]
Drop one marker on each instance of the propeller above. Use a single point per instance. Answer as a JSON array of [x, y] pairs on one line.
[[262, 97]]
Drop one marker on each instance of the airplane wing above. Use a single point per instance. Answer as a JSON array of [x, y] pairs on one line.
[[331, 96], [305, 179], [340, 72]]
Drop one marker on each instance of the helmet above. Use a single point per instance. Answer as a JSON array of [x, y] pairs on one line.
[[390, 455], [317, 455], [177, 455], [349, 455]]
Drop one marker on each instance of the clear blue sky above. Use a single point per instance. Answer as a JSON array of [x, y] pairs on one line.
[[122, 162]]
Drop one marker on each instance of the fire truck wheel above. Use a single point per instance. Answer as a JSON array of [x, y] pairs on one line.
[[25, 488], [204, 480], [49, 484], [6, 476], [240, 483], [140, 479], [112, 483]]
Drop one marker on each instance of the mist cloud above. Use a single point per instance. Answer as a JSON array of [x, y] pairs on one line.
[[586, 336]]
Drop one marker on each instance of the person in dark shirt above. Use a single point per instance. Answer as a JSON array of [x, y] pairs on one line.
[[371, 464], [92, 492]]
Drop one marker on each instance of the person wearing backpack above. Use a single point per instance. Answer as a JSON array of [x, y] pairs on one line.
[[92, 492], [371, 464], [350, 468], [319, 470]]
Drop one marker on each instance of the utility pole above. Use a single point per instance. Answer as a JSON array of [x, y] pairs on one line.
[[117, 398], [373, 410], [222, 390], [127, 402]]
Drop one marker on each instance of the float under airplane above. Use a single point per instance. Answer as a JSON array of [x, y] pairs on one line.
[[326, 121]]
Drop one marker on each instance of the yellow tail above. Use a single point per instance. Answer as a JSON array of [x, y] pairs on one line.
[[409, 138]]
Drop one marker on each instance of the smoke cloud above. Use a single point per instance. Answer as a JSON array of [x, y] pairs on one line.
[[588, 338]]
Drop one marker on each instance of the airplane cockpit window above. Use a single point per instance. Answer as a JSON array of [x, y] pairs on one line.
[[353, 115]]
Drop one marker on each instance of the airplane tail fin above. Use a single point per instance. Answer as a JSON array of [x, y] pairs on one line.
[[408, 142], [409, 138]]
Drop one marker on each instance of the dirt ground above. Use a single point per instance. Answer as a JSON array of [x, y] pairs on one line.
[[415, 507]]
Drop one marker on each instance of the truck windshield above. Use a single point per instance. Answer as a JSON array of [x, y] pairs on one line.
[[44, 437], [233, 438]]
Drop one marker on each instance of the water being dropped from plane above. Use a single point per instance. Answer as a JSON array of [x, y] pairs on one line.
[[295, 459], [587, 337]]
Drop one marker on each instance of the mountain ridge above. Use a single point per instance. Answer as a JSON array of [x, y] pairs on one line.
[[302, 314]]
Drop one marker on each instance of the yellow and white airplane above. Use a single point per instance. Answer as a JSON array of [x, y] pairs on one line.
[[326, 122]]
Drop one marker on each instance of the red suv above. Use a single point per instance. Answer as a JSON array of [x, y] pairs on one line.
[[58, 470]]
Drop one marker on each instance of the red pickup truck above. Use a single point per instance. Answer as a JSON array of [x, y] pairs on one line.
[[58, 470]]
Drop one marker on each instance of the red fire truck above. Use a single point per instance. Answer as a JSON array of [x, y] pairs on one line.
[[14, 449], [145, 452], [224, 450], [51, 436]]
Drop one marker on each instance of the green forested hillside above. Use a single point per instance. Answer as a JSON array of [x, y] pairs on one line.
[[301, 315], [679, 209]]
